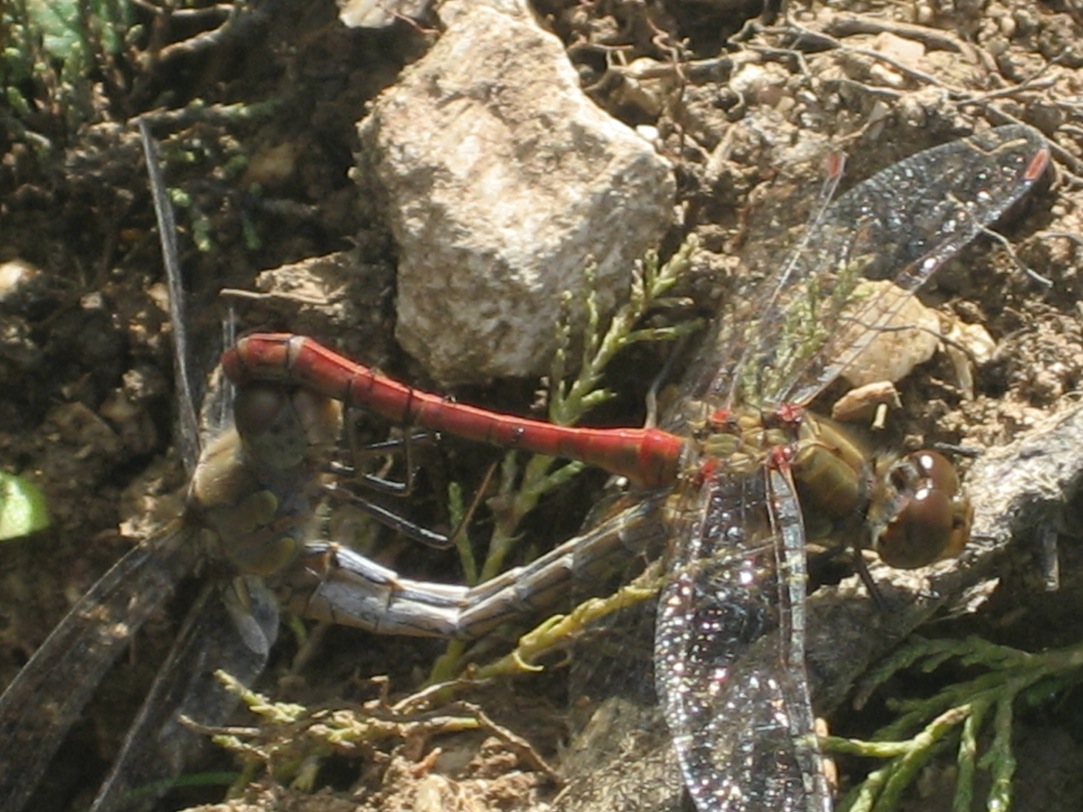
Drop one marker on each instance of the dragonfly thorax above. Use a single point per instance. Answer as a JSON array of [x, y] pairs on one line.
[[254, 485], [744, 440]]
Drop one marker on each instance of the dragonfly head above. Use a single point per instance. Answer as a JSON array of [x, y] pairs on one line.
[[929, 518], [285, 427]]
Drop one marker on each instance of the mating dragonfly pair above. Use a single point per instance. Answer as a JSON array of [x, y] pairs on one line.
[[731, 476]]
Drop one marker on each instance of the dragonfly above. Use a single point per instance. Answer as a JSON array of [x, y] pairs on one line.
[[740, 469], [247, 511], [248, 529]]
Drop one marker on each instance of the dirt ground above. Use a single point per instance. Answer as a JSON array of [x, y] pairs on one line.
[[258, 133]]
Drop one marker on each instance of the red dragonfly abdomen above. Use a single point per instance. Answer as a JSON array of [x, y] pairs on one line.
[[648, 457]]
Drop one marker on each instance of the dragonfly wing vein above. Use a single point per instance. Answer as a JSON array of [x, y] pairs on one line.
[[789, 338], [222, 631], [937, 202], [49, 693], [733, 688]]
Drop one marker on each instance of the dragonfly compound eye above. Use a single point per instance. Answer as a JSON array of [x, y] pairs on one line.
[[937, 470], [933, 521]]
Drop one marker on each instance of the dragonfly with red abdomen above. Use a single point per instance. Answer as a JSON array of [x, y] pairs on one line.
[[739, 469], [248, 524], [248, 512]]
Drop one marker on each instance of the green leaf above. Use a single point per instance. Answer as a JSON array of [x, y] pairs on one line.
[[22, 507]]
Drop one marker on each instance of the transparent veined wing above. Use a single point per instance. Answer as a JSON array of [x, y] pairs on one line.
[[808, 321], [51, 690], [729, 638], [224, 630]]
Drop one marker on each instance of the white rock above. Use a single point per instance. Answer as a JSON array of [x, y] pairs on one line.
[[967, 345], [500, 180], [379, 13], [862, 402]]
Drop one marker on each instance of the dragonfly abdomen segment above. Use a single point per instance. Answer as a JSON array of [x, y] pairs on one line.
[[331, 583], [648, 457]]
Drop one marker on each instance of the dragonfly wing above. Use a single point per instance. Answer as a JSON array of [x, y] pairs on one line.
[[222, 631], [622, 761], [51, 690], [729, 653], [188, 436], [619, 758], [903, 224], [797, 330]]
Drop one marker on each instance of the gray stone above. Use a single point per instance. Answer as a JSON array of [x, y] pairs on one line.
[[500, 180]]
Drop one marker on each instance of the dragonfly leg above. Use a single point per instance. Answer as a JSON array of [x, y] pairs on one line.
[[863, 573], [394, 521], [359, 451], [388, 518]]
